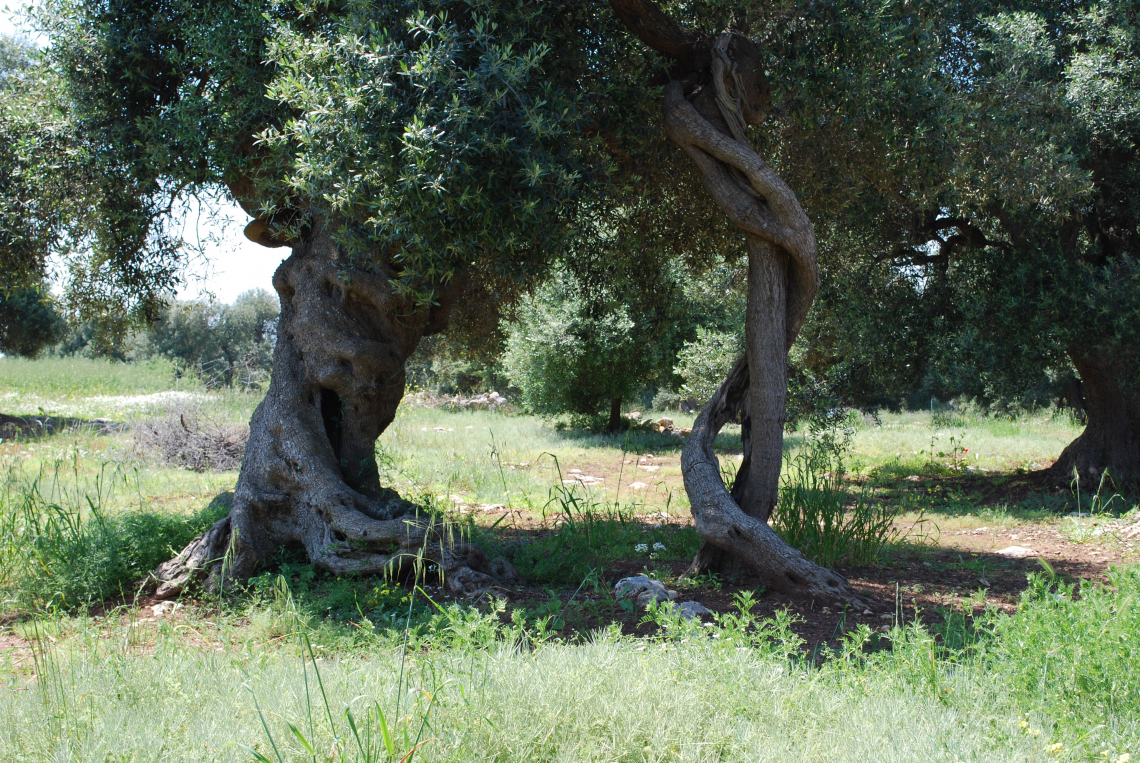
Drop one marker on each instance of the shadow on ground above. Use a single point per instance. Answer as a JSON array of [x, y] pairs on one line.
[[36, 427]]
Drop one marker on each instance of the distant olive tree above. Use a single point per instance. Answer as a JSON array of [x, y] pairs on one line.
[[574, 355], [29, 322], [704, 362], [224, 344]]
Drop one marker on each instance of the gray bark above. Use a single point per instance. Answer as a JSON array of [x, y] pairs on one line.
[[309, 476], [728, 530], [783, 278], [1111, 439]]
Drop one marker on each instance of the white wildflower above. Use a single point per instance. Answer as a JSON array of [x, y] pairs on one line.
[[658, 546], [641, 548]]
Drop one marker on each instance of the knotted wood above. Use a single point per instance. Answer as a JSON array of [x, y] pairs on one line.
[[706, 114]]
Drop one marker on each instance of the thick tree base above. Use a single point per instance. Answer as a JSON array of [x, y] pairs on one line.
[[309, 476], [1111, 440]]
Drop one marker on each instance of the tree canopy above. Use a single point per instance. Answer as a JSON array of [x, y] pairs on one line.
[[454, 137]]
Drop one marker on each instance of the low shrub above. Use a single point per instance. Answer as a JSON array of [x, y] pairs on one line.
[[184, 440]]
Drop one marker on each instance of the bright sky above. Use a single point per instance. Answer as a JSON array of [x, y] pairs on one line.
[[233, 263]]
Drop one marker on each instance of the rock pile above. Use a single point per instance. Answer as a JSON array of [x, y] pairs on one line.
[[487, 401], [663, 425], [645, 590]]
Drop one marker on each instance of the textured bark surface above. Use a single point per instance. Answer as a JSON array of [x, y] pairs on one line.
[[309, 476], [1111, 439], [765, 334], [707, 107], [783, 276], [727, 529]]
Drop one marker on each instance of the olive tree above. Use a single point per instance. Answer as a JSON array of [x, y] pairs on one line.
[[570, 353], [421, 157], [411, 155], [1040, 239]]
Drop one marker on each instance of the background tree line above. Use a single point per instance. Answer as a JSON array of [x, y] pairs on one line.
[[223, 344]]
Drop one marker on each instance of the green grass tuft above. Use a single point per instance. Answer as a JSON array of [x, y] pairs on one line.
[[60, 549]]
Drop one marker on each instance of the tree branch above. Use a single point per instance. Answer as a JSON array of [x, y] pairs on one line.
[[691, 49]]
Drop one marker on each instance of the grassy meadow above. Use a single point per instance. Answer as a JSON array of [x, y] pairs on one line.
[[982, 658]]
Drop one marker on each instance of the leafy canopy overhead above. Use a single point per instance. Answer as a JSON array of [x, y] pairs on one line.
[[486, 140], [439, 136]]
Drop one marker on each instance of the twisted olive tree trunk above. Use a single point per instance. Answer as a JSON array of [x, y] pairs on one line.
[[717, 88], [309, 476], [783, 278]]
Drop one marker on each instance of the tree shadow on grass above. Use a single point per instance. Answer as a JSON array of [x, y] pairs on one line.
[[1018, 496], [653, 442], [37, 427]]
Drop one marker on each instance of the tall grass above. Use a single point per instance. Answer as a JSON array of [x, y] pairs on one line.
[[60, 549], [1056, 681], [826, 519]]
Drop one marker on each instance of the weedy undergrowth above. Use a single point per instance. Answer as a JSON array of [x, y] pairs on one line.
[[60, 549], [590, 532], [824, 518]]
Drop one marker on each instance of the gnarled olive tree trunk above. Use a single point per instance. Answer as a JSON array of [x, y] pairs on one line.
[[717, 89], [309, 476], [1111, 440]]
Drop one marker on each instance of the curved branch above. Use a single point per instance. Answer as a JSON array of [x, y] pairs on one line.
[[720, 521], [690, 48], [766, 207]]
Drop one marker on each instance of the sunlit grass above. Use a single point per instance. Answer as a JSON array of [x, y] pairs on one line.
[[487, 457], [910, 440], [1058, 680], [84, 388]]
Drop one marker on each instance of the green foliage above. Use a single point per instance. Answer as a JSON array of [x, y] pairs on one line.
[[443, 134], [439, 365], [223, 344], [62, 551], [29, 322], [1075, 659], [573, 355], [434, 138], [704, 362], [826, 519], [36, 180], [1032, 252], [16, 58]]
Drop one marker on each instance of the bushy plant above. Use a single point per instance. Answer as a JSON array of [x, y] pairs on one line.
[[29, 322], [572, 353], [704, 362]]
